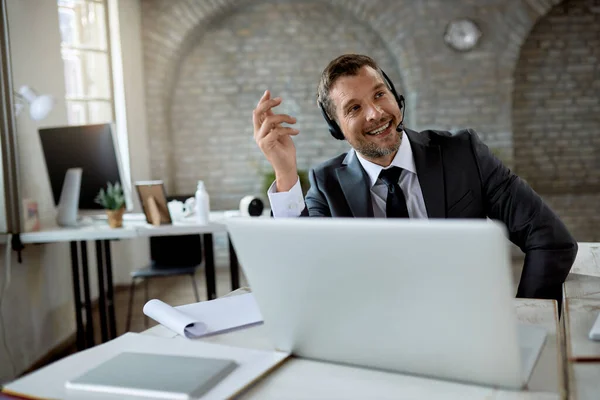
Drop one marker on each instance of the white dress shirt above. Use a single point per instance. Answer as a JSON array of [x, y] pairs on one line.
[[291, 204]]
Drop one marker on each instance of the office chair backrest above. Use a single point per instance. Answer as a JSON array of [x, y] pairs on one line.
[[176, 251]]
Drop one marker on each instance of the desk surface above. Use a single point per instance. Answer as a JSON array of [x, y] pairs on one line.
[[581, 306], [583, 381], [579, 318], [587, 261], [579, 286], [99, 230], [300, 378]]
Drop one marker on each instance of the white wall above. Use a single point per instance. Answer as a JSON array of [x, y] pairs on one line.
[[38, 309]]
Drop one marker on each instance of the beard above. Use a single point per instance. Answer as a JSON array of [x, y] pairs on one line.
[[372, 150]]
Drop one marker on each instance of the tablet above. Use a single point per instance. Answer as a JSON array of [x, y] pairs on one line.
[[154, 376]]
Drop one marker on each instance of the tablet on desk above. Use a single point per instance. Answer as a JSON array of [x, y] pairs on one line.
[[154, 376]]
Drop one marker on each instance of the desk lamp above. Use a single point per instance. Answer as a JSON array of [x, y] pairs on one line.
[[39, 106]]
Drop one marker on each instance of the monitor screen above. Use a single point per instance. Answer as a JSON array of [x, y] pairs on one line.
[[89, 147]]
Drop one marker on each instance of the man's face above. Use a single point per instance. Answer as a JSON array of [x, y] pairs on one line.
[[367, 113]]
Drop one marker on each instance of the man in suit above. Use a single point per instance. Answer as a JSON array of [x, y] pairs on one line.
[[395, 172]]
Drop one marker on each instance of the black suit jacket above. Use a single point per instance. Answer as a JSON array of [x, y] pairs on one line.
[[460, 178]]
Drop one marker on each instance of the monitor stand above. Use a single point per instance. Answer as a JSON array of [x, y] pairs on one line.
[[68, 205]]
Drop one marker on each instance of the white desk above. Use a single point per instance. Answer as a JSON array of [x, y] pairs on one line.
[[579, 319], [102, 234], [304, 379], [52, 233], [583, 355], [584, 381], [587, 261], [99, 230], [581, 287], [581, 305]]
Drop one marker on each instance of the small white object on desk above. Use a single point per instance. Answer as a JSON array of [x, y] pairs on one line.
[[251, 206], [206, 317], [202, 204], [595, 331]]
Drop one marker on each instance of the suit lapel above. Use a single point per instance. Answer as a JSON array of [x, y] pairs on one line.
[[428, 161], [354, 182]]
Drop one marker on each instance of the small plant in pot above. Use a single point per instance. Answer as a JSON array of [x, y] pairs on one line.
[[113, 201]]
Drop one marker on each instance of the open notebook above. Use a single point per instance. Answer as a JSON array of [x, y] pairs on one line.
[[250, 365], [206, 317]]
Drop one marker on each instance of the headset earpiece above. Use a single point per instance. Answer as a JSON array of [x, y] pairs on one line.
[[334, 128]]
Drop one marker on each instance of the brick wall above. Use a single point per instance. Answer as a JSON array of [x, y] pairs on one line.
[[207, 63], [556, 108], [556, 114], [579, 212], [224, 75]]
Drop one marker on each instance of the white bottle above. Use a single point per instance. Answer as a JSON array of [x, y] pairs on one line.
[[202, 206]]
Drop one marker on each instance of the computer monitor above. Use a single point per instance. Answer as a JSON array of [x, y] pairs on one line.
[[91, 148]]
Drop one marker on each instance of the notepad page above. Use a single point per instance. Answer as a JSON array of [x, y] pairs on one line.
[[224, 314]]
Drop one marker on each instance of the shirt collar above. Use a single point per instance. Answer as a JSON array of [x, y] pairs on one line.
[[403, 159]]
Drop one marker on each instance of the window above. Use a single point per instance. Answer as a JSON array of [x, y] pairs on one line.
[[85, 54]]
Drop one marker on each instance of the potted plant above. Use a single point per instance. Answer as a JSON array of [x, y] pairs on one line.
[[113, 201]]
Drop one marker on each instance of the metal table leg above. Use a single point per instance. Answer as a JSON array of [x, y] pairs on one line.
[[234, 267], [110, 301], [209, 258], [101, 291], [89, 320], [77, 296]]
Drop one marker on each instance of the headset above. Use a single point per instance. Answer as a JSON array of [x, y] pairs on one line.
[[334, 128]]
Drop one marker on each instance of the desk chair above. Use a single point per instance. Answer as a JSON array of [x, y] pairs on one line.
[[170, 256]]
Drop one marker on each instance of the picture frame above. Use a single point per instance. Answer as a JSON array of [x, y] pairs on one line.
[[153, 198]]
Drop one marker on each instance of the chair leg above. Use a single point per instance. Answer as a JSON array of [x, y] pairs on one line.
[[130, 307], [146, 290], [195, 288]]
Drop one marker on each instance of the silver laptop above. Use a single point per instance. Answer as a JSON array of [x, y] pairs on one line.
[[425, 297]]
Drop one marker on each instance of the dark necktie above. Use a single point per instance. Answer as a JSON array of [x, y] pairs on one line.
[[395, 204]]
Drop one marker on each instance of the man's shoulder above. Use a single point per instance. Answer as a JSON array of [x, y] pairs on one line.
[[441, 138]]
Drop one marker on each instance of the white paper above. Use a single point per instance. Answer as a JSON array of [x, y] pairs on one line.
[[175, 320], [50, 382], [208, 317]]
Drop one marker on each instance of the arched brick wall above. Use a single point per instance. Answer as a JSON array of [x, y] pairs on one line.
[[444, 89], [556, 114], [220, 80], [556, 105]]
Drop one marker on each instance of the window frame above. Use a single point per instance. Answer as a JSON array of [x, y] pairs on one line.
[[71, 52]]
